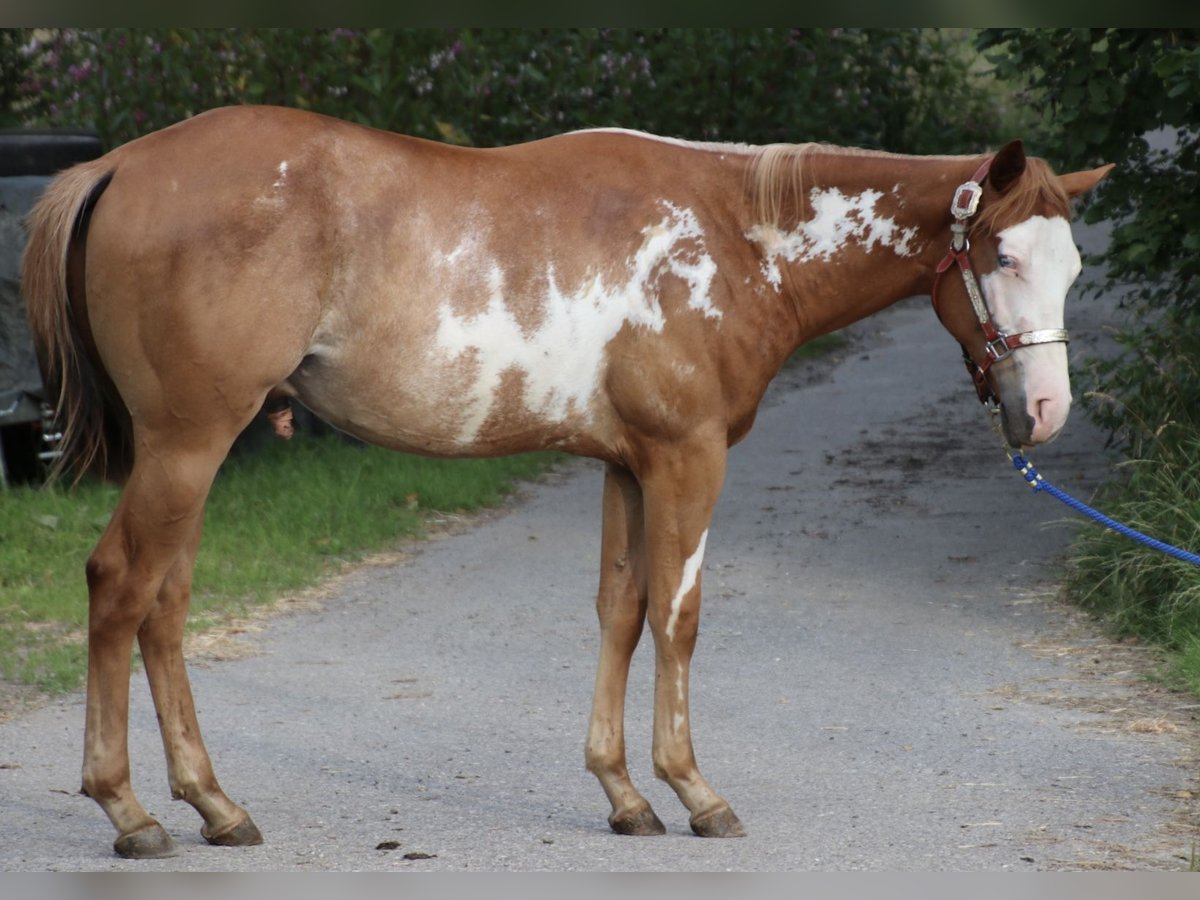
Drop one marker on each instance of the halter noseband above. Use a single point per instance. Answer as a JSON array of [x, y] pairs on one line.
[[997, 344]]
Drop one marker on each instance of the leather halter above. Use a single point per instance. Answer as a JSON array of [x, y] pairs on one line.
[[997, 344]]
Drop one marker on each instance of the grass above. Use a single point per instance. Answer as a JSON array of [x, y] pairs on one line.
[[1136, 590], [277, 520]]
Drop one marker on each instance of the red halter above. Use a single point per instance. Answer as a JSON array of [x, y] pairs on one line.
[[998, 345]]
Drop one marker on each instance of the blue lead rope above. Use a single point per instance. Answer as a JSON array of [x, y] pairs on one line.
[[1035, 481]]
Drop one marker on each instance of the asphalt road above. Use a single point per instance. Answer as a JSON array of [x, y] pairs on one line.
[[885, 679]]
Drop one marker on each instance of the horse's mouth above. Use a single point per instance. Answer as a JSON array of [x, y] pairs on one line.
[[1017, 427]]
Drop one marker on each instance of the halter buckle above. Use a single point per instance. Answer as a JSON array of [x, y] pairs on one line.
[[998, 348], [966, 200]]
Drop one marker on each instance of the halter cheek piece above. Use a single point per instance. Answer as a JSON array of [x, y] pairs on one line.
[[997, 344]]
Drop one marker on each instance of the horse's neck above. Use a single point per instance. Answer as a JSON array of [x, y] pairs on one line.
[[869, 233]]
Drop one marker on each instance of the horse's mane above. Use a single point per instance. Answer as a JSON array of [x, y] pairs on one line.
[[775, 184], [775, 178]]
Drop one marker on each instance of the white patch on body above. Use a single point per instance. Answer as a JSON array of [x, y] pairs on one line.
[[687, 581], [274, 198], [1031, 296], [838, 221], [562, 360]]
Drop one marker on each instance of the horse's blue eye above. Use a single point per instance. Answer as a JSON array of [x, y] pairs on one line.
[[1007, 262]]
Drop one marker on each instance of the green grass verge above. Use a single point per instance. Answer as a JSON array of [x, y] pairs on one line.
[[1139, 591], [277, 520]]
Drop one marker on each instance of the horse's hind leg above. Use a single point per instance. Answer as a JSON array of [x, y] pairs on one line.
[[621, 605], [153, 529], [189, 770]]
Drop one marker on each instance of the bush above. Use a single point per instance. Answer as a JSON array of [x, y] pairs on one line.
[[908, 90]]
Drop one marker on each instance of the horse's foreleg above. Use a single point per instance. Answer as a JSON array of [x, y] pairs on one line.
[[681, 490], [621, 606], [189, 770], [158, 514]]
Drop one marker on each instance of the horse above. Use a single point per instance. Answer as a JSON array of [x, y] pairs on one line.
[[608, 293]]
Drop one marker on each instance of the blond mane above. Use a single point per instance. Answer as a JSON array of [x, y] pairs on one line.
[[776, 176], [775, 179]]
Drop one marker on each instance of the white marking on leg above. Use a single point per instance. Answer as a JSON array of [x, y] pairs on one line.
[[687, 581], [679, 717]]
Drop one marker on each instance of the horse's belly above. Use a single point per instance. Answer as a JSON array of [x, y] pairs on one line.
[[424, 398]]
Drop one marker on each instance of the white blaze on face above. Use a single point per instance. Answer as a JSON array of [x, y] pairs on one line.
[[1031, 296], [838, 221], [561, 361], [687, 581]]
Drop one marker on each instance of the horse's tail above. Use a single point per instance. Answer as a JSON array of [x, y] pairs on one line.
[[97, 436]]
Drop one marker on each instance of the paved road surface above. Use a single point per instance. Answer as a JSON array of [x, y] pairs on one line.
[[884, 678]]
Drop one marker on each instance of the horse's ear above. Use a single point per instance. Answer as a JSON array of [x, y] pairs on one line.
[[1007, 166], [1076, 183]]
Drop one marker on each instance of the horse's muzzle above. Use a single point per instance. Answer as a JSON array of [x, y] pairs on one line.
[[1017, 425]]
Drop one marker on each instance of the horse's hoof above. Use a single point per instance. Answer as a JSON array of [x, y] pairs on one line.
[[148, 842], [640, 822], [240, 834], [721, 823]]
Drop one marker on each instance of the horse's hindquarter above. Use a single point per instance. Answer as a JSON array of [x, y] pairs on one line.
[[423, 297], [208, 261]]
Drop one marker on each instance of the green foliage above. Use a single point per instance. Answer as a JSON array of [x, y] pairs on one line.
[[1138, 590], [1148, 399], [1104, 90], [902, 89], [14, 74]]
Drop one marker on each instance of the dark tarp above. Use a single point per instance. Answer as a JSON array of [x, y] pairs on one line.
[[28, 160]]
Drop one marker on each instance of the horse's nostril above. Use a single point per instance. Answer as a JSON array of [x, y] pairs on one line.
[[1049, 415]]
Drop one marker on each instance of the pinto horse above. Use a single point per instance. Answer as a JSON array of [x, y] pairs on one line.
[[606, 293]]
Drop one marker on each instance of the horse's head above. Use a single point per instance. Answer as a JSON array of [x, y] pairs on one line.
[[1021, 249]]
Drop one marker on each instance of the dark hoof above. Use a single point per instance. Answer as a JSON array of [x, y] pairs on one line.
[[148, 842], [720, 823], [640, 822], [240, 834]]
